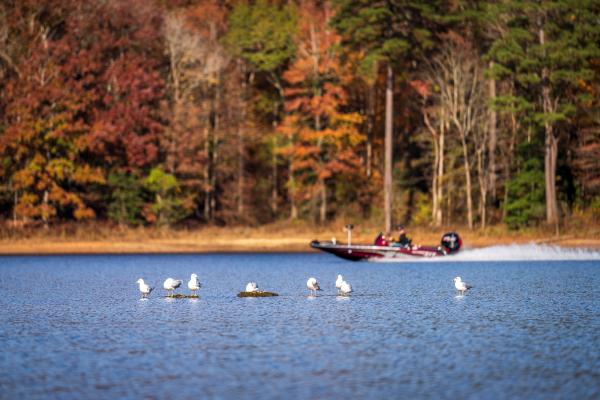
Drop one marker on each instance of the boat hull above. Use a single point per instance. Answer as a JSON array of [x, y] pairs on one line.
[[371, 252]]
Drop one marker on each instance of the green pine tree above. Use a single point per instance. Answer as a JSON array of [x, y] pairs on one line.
[[546, 49], [262, 34], [126, 198], [390, 33], [525, 197], [167, 207]]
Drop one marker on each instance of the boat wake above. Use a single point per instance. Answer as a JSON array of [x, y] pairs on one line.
[[514, 252]]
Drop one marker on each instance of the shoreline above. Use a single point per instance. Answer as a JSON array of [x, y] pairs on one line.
[[202, 245]]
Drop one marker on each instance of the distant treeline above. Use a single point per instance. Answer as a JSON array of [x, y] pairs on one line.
[[247, 112]]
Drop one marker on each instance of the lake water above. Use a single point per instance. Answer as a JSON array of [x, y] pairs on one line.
[[75, 327]]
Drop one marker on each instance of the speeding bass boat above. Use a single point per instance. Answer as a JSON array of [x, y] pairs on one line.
[[450, 244]]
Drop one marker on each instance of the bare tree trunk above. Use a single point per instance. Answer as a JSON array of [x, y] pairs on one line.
[[317, 120], [389, 127], [434, 180], [16, 203], [274, 173], [323, 208], [483, 189], [240, 142], [215, 144], [456, 72], [322, 186], [508, 161], [172, 137], [215, 124], [438, 167], [292, 194], [213, 175], [481, 144], [173, 130], [45, 212], [493, 138], [291, 184], [467, 167], [240, 168], [274, 161], [206, 172], [440, 172], [323, 192], [551, 149], [449, 215], [550, 177], [274, 167], [370, 127]]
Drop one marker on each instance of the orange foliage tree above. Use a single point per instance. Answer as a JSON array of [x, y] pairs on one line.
[[45, 137], [323, 137]]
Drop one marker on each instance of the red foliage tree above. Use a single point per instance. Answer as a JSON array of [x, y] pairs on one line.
[[86, 99], [45, 137]]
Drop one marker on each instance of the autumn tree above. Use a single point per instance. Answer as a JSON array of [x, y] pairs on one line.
[[46, 133], [198, 63], [436, 124], [325, 138], [249, 111], [119, 52], [457, 72], [261, 37], [90, 104], [389, 33]]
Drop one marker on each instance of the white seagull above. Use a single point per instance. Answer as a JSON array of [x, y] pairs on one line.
[[312, 285], [461, 286], [345, 288], [338, 282], [171, 284], [251, 287], [194, 283], [144, 288]]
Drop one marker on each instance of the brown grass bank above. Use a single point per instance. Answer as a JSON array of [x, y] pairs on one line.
[[282, 236]]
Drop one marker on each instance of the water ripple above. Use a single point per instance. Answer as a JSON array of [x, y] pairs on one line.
[[74, 327]]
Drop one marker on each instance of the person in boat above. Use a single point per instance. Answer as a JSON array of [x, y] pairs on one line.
[[403, 240], [381, 240]]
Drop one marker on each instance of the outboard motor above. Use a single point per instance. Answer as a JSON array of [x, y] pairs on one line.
[[451, 242]]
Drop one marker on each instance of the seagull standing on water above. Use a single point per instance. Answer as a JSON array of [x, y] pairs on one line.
[[194, 284], [338, 283], [251, 287], [345, 288], [171, 284], [461, 286], [144, 288], [312, 285]]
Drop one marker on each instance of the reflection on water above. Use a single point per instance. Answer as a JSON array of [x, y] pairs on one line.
[[75, 327]]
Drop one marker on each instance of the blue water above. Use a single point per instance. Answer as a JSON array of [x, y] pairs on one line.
[[74, 327]]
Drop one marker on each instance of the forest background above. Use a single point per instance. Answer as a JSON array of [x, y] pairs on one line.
[[275, 118]]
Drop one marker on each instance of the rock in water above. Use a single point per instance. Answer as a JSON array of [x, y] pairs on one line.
[[182, 296], [257, 294]]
